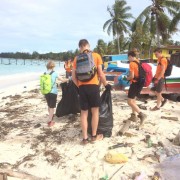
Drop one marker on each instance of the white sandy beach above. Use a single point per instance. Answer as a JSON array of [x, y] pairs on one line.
[[55, 153]]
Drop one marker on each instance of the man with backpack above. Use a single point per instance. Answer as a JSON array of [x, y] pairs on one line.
[[135, 88], [87, 69], [158, 79]]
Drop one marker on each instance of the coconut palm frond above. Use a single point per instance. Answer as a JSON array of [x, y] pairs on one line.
[[145, 13], [174, 23], [172, 4], [107, 23], [163, 24], [153, 26]]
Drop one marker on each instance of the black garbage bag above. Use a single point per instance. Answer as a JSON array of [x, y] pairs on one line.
[[64, 87], [105, 116], [69, 103]]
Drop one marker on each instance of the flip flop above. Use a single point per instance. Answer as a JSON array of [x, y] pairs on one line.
[[163, 102], [155, 108], [84, 141]]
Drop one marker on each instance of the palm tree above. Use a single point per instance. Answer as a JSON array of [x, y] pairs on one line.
[[119, 23], [101, 47], [156, 18]]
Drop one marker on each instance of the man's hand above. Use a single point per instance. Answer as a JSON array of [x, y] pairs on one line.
[[156, 81]]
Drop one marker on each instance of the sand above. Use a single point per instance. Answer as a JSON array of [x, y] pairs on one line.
[[28, 145]]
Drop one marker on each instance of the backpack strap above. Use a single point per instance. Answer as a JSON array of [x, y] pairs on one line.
[[139, 64], [54, 81]]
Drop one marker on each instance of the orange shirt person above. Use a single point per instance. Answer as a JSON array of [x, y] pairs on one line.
[[135, 88], [158, 79], [90, 94], [68, 68]]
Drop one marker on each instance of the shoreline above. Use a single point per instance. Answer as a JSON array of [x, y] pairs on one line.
[[56, 152]]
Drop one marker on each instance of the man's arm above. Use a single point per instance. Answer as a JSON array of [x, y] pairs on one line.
[[62, 79], [74, 77], [101, 75], [131, 75], [161, 74]]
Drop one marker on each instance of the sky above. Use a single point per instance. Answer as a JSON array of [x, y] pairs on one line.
[[56, 25]]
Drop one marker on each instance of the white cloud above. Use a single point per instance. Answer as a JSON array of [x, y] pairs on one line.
[[54, 25]]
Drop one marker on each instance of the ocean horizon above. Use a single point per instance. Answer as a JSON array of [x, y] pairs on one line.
[[14, 72]]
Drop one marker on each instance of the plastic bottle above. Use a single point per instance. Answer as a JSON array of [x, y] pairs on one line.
[[116, 146], [149, 141]]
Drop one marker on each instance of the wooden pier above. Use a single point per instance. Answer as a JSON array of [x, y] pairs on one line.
[[9, 61]]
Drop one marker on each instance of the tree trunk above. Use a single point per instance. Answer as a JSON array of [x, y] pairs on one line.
[[157, 31], [118, 43]]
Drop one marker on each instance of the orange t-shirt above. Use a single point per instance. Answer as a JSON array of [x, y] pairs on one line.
[[68, 66], [161, 61], [98, 61], [133, 67]]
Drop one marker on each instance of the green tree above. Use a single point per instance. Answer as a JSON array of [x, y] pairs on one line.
[[161, 18], [101, 47], [119, 23]]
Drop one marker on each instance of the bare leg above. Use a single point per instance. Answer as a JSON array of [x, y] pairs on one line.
[[159, 99], [132, 104], [95, 120], [84, 124], [51, 113]]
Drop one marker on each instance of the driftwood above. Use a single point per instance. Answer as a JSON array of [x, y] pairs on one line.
[[19, 174], [170, 118], [124, 128]]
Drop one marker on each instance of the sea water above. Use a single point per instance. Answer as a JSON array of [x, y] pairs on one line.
[[17, 71]]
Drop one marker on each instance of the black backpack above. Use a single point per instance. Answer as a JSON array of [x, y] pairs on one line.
[[142, 74], [169, 68]]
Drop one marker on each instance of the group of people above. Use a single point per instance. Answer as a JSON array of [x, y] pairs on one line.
[[89, 91], [136, 86]]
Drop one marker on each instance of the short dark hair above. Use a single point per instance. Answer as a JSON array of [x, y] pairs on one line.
[[83, 42], [131, 53], [158, 50]]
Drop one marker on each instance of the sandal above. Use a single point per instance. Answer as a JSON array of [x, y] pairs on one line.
[[85, 141], [164, 102], [155, 108], [98, 137]]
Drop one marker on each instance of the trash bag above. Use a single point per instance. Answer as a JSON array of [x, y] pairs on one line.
[[64, 87], [69, 103], [105, 116], [170, 167]]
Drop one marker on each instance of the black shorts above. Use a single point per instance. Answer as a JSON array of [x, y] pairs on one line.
[[51, 100], [134, 90], [159, 86], [89, 96]]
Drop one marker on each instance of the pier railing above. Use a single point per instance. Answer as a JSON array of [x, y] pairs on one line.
[[9, 61]]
